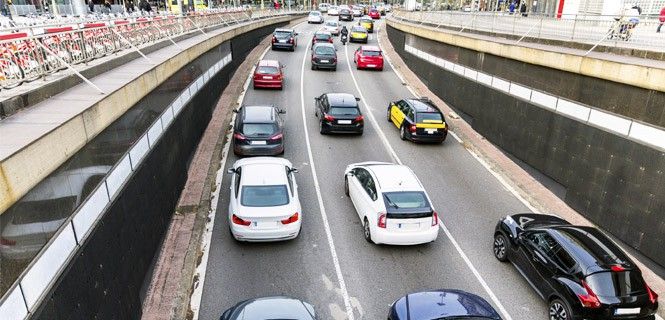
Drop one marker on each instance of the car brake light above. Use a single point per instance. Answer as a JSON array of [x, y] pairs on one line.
[[328, 118], [589, 300], [359, 118], [291, 219], [435, 218], [7, 242], [334, 59], [382, 220], [276, 137], [237, 220], [617, 268], [274, 39], [653, 297], [412, 128], [239, 136], [330, 40], [291, 40]]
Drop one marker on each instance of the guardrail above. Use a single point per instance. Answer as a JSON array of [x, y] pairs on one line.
[[610, 31], [25, 57]]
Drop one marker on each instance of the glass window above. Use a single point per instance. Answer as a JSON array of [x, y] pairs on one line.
[[403, 106], [324, 50], [433, 117], [622, 283], [409, 114], [282, 34], [237, 181], [258, 129], [264, 196], [406, 200], [368, 53], [361, 175], [370, 188], [344, 111], [322, 36], [267, 70], [289, 176], [547, 245]]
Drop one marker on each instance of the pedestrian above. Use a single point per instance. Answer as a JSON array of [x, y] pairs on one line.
[[91, 6], [511, 8], [107, 5], [661, 18], [523, 9]]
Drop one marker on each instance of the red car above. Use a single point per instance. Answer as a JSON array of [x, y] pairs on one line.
[[368, 57], [374, 14], [268, 74]]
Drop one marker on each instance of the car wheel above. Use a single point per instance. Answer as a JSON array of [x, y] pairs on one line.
[[346, 186], [334, 69], [500, 247], [322, 130], [313, 67], [402, 132], [558, 310], [360, 133], [388, 116], [367, 232]]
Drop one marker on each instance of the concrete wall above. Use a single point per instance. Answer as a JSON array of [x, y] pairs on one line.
[[615, 182]]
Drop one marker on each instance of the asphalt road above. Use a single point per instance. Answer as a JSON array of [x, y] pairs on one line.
[[361, 280]]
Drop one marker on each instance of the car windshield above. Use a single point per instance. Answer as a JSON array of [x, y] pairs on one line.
[[267, 70], [258, 129], [322, 36], [616, 284], [264, 196], [344, 111], [406, 199], [433, 117], [324, 50], [368, 53]]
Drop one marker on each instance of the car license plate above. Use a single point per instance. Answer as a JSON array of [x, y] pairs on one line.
[[259, 142], [430, 131], [264, 224], [282, 41], [344, 121], [371, 66], [408, 226], [325, 61], [267, 77], [622, 311]]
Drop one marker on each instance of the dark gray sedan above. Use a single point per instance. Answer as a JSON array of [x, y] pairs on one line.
[[270, 308], [258, 131], [324, 56]]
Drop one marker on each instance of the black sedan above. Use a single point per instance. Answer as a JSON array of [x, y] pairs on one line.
[[324, 56], [258, 131], [339, 112], [284, 39], [442, 304], [270, 308], [345, 15], [578, 270]]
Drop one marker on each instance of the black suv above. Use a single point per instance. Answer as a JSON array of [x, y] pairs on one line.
[[339, 112], [578, 270], [284, 39], [345, 14], [258, 131]]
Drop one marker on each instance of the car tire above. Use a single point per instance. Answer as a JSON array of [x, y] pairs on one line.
[[559, 310], [500, 247], [402, 132], [346, 186], [367, 232], [334, 69], [388, 116], [272, 48], [322, 130], [357, 67], [313, 67], [360, 133], [381, 69]]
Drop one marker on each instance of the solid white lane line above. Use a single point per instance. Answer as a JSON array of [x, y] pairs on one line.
[[498, 176], [390, 149], [319, 198]]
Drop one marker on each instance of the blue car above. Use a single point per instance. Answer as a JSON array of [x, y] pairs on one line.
[[442, 304], [270, 308]]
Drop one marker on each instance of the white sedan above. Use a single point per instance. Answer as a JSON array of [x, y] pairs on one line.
[[264, 204], [315, 17], [333, 27], [391, 203], [333, 11]]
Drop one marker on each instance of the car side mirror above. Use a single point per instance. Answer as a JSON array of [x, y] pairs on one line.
[[235, 110], [294, 170], [350, 174], [357, 99], [316, 98], [231, 171], [281, 111], [295, 33]]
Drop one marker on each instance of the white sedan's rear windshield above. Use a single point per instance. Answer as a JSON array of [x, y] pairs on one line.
[[406, 200], [264, 196]]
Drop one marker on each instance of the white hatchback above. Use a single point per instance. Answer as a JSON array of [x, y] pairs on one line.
[[264, 204], [315, 17], [391, 203]]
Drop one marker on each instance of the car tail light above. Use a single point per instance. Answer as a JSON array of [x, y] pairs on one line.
[[274, 39], [330, 40], [435, 218], [237, 220], [412, 128], [291, 40], [7, 242], [617, 268], [589, 300], [359, 118], [239, 136], [334, 59], [653, 297], [291, 219], [276, 137], [328, 118], [382, 220]]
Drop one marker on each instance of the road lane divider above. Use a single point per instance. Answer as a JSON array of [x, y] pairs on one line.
[[392, 152], [319, 197]]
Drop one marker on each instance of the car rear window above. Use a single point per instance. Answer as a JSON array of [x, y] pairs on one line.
[[322, 36], [315, 13], [258, 129], [358, 29], [264, 196], [344, 111], [371, 53], [282, 34], [331, 24], [267, 70], [324, 50], [406, 199], [619, 284], [434, 117]]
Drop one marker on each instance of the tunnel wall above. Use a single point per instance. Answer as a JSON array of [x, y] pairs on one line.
[[613, 181], [104, 278]]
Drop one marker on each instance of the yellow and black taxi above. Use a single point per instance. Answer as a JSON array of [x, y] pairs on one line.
[[358, 34], [367, 23], [418, 120]]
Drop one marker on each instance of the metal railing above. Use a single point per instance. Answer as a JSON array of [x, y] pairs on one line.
[[26, 55], [610, 31]]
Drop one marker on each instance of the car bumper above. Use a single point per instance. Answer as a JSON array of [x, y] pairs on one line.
[[325, 65], [258, 150], [347, 18], [268, 84], [352, 39], [283, 45], [377, 66], [429, 138], [356, 127], [382, 236], [315, 21], [285, 232]]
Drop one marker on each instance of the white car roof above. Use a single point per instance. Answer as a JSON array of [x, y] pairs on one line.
[[263, 170], [394, 177]]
